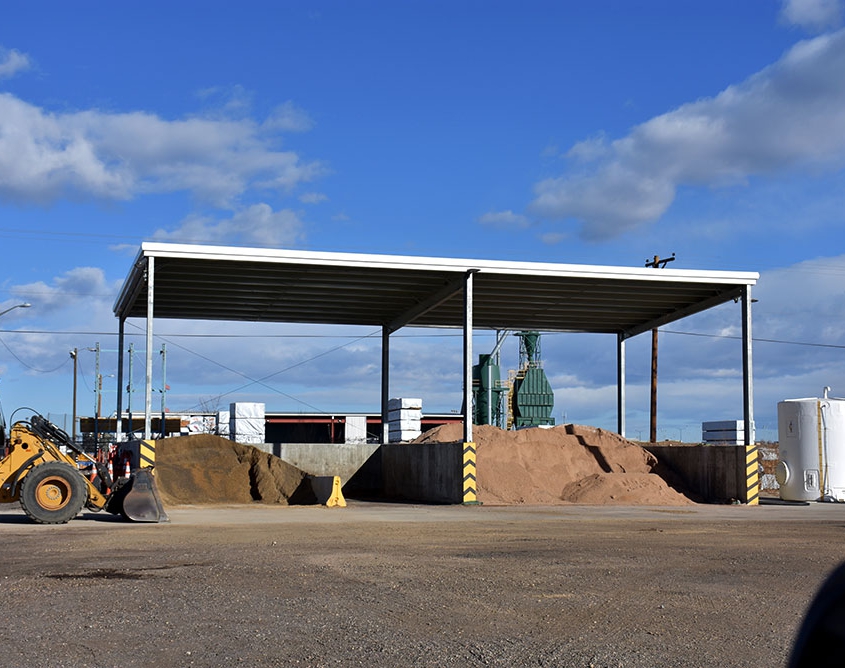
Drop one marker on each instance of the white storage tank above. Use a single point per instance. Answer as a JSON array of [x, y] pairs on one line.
[[811, 434]]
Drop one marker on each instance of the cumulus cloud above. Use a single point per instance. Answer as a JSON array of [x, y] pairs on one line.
[[13, 61], [290, 118], [812, 14], [552, 238], [312, 198], [117, 156], [256, 225], [82, 284], [503, 219], [789, 115], [804, 302]]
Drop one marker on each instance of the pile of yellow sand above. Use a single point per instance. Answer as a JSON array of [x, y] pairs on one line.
[[203, 469], [564, 464]]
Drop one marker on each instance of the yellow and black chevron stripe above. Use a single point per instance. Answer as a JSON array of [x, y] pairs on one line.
[[752, 475], [470, 495], [147, 454]]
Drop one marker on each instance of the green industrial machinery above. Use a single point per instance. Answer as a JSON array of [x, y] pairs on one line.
[[529, 394], [488, 391], [531, 399]]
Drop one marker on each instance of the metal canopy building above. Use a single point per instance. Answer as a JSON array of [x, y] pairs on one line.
[[264, 285]]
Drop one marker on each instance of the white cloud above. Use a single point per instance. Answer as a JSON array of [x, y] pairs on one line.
[[227, 101], [553, 238], [256, 225], [812, 14], [79, 285], [804, 302], [504, 219], [312, 198], [117, 156], [789, 115], [290, 118], [13, 61]]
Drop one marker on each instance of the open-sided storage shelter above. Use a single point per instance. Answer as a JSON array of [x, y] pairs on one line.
[[278, 285]]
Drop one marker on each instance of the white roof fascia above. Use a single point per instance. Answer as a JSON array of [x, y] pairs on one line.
[[201, 252]]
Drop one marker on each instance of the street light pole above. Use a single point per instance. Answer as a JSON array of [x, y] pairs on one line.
[[12, 308]]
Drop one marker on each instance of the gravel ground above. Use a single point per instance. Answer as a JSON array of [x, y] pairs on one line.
[[399, 585]]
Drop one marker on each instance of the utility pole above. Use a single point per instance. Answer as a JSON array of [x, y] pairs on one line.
[[129, 390], [98, 389], [99, 395], [656, 263], [74, 354], [164, 390]]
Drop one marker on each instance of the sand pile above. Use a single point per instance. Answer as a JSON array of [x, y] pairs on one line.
[[203, 469], [564, 464]]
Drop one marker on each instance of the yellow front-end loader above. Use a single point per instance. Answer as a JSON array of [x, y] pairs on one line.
[[41, 474]]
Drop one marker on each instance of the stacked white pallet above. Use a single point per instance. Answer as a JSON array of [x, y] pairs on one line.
[[246, 422], [404, 419]]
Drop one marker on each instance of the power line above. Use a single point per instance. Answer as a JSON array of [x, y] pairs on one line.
[[6, 232], [260, 381], [294, 366], [226, 336], [394, 336], [756, 340], [29, 366]]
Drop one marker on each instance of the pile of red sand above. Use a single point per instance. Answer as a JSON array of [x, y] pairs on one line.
[[206, 469], [563, 464]]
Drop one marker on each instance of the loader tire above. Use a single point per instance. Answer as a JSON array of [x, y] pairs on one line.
[[53, 493]]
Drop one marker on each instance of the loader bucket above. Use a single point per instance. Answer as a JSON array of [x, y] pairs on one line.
[[137, 499]]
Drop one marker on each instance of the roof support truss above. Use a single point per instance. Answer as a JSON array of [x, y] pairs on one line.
[[432, 302], [684, 312]]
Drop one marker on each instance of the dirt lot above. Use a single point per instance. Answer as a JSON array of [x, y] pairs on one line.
[[396, 585]]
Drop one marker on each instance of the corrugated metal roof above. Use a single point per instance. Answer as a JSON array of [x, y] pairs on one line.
[[258, 284]]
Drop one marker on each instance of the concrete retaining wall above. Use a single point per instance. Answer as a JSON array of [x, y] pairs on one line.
[[716, 473], [431, 472], [423, 472], [347, 460]]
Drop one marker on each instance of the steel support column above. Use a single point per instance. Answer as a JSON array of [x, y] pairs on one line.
[[752, 455], [118, 436], [747, 374], [468, 356], [620, 384], [148, 386], [385, 381]]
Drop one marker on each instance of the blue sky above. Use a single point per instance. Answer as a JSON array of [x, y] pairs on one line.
[[599, 133]]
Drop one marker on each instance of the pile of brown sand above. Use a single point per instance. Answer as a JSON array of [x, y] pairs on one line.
[[563, 464], [206, 469]]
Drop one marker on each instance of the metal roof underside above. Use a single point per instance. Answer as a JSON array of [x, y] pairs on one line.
[[261, 285]]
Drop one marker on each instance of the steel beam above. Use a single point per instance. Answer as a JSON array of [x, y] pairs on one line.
[[692, 309], [433, 301]]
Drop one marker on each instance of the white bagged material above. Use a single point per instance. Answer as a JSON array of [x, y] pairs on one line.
[[356, 429], [404, 414], [222, 423], [405, 402]]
